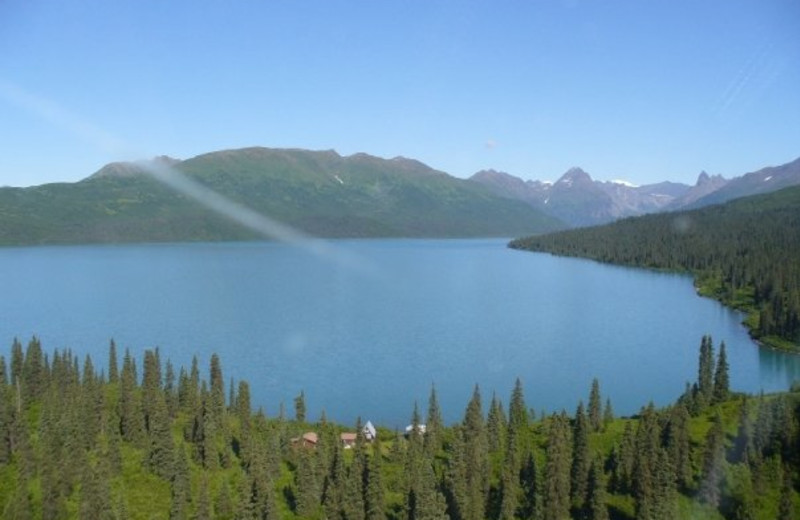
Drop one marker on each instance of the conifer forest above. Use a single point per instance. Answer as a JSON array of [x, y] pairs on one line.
[[127, 439]]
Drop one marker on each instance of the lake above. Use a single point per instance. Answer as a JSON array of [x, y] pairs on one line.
[[365, 327]]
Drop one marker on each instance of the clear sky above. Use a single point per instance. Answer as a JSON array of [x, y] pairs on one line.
[[637, 90]]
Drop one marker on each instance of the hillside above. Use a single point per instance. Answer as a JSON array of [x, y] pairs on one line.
[[745, 253], [320, 193], [75, 443]]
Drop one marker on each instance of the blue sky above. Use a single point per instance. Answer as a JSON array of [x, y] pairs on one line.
[[637, 90]]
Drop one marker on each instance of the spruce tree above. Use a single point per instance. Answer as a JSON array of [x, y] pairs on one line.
[[705, 377], [113, 368], [434, 426], [160, 456], [375, 492], [648, 444], [476, 457], [170, 390], [309, 492], [677, 444], [204, 511], [517, 410], [300, 407], [581, 461], [595, 406], [33, 374], [713, 464], [496, 426], [721, 378], [509, 479], [217, 395], [530, 500], [180, 488], [557, 469], [596, 508], [130, 411]]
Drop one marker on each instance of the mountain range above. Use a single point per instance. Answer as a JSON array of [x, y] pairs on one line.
[[578, 200], [324, 194], [317, 192]]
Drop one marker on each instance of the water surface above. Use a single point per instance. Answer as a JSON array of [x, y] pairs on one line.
[[367, 327]]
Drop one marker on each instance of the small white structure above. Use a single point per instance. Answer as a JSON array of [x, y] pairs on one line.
[[420, 429], [369, 431]]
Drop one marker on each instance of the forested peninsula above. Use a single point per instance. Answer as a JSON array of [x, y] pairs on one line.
[[80, 440], [745, 253]]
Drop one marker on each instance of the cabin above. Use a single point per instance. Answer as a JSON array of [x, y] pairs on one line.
[[348, 440], [369, 432], [307, 440]]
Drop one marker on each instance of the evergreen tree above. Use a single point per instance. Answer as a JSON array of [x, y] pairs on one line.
[[705, 377], [581, 460], [181, 492], [677, 444], [224, 508], [95, 495], [170, 391], [33, 374], [596, 508], [17, 362], [130, 412], [510, 479], [300, 407], [217, 395], [496, 426], [595, 406], [203, 501], [713, 464], [309, 492], [434, 426], [160, 457], [113, 370], [517, 410], [648, 442], [244, 412], [375, 493], [721, 378], [530, 501], [476, 457], [557, 469]]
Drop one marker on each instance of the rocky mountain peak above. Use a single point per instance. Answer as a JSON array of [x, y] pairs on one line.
[[574, 176]]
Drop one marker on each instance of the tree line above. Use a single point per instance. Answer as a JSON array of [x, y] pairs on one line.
[[117, 442], [745, 253]]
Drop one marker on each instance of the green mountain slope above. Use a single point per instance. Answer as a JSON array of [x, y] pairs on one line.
[[320, 193], [745, 253]]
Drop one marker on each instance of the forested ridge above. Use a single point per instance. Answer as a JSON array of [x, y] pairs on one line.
[[745, 253], [78, 440]]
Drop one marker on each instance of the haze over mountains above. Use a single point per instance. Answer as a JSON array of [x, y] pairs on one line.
[[325, 194], [578, 200]]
